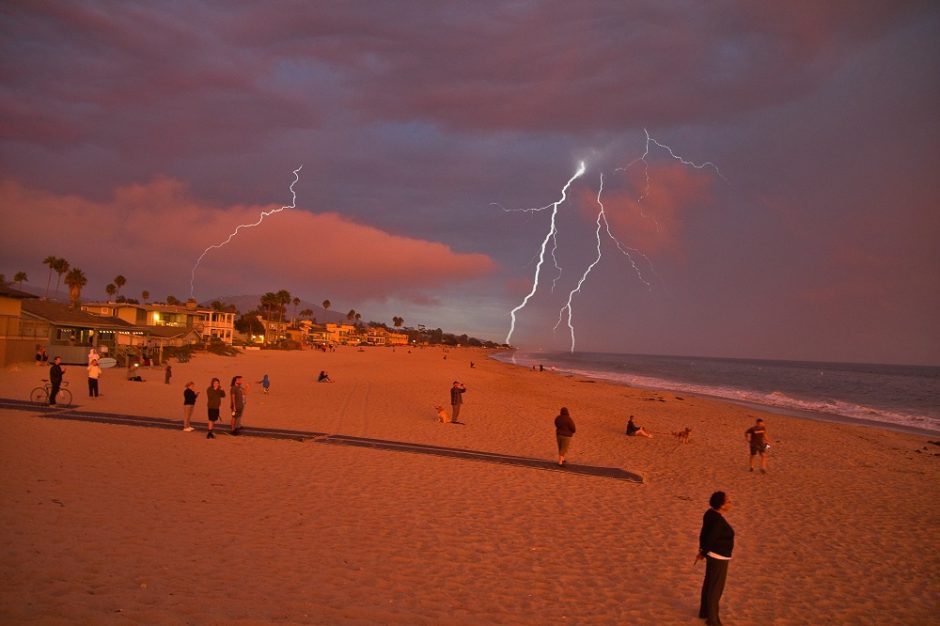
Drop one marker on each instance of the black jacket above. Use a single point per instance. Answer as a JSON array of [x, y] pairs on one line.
[[717, 535]]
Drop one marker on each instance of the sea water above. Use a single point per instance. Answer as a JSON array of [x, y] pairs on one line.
[[895, 396]]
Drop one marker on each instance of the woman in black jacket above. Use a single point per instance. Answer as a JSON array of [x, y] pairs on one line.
[[715, 544]]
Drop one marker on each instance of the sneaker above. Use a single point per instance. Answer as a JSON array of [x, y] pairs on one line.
[[188, 430], [209, 435]]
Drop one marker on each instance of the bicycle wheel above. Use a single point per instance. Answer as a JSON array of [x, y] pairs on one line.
[[39, 396], [64, 397]]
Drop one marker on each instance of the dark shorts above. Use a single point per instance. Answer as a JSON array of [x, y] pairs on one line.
[[213, 415], [758, 449]]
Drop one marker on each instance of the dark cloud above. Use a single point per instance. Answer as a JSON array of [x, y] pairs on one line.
[[411, 119]]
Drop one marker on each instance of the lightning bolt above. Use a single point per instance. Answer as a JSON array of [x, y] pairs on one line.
[[602, 224], [646, 169], [551, 235], [625, 250], [264, 214]]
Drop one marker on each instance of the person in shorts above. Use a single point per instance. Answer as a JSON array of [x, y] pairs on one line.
[[758, 441], [214, 395]]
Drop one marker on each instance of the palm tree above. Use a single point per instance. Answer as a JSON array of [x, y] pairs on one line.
[[19, 278], [61, 267], [326, 305], [351, 315], [50, 261], [75, 279], [172, 300], [296, 303], [119, 282], [306, 313], [358, 317], [398, 321], [145, 295], [283, 299], [110, 289], [268, 301]]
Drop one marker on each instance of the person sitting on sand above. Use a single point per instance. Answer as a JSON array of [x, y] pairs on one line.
[[324, 377], [633, 430]]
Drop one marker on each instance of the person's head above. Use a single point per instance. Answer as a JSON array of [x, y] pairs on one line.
[[236, 380], [760, 422], [631, 419], [190, 385], [57, 360], [456, 383], [719, 500], [216, 382], [564, 411]]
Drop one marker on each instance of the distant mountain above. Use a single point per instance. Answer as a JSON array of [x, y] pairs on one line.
[[247, 303]]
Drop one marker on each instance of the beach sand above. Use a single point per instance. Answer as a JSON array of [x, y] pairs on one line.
[[113, 524]]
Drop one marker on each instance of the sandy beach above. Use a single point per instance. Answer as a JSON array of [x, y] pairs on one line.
[[113, 524]]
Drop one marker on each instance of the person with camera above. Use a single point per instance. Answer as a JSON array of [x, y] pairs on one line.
[[456, 399]]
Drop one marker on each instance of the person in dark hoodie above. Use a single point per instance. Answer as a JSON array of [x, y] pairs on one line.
[[715, 544], [214, 395], [564, 431]]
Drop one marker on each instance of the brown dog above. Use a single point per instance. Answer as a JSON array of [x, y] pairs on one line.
[[683, 435], [442, 416]]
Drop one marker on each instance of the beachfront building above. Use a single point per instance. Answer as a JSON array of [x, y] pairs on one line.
[[208, 324], [70, 332], [395, 338], [18, 336], [342, 334], [376, 336]]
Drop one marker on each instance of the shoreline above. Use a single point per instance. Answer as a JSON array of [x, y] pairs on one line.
[[821, 416]]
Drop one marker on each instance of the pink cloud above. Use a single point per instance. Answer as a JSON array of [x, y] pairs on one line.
[[152, 233], [651, 219]]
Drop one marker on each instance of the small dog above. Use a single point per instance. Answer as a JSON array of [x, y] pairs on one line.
[[683, 435], [442, 416]]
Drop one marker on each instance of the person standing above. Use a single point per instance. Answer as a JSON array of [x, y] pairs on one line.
[[715, 544], [265, 384], [94, 373], [56, 372], [167, 374], [189, 403], [564, 431], [214, 395], [757, 439], [237, 403], [456, 399]]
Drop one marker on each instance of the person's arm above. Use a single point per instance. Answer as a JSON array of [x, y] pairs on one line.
[[711, 529]]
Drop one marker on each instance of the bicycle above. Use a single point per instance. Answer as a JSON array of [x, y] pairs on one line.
[[40, 395]]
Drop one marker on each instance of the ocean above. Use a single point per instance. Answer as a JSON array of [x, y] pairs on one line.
[[903, 397]]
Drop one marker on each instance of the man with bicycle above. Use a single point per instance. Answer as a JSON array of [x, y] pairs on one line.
[[55, 379]]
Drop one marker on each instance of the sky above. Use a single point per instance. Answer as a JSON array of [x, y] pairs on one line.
[[760, 178]]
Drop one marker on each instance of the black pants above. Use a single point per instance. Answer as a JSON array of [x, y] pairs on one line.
[[53, 392], [92, 387], [716, 571]]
